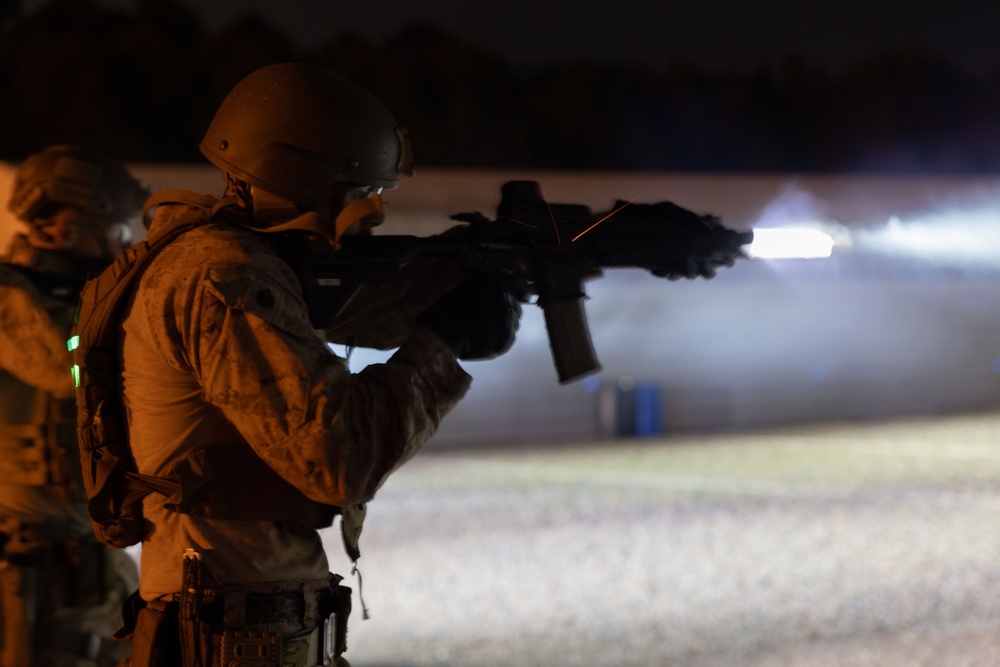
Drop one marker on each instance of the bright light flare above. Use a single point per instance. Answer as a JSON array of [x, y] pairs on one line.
[[790, 243]]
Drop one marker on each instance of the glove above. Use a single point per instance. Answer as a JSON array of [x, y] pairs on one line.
[[478, 319]]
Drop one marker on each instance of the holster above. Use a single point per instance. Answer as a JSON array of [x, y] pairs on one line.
[[335, 608], [153, 631]]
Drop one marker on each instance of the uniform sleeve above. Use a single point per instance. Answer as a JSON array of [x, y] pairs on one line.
[[243, 331], [383, 316], [32, 347]]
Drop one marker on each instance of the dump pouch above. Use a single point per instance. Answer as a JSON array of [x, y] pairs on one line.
[[114, 488]]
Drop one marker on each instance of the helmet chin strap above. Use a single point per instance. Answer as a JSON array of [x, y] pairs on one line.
[[369, 209]]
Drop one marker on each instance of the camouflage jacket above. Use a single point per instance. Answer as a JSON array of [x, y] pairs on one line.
[[218, 349]]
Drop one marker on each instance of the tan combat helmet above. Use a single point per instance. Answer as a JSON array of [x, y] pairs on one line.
[[294, 130], [75, 176]]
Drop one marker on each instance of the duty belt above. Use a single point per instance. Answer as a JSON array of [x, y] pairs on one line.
[[240, 609]]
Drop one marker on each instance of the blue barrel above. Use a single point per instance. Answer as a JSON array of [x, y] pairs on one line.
[[648, 417], [637, 409]]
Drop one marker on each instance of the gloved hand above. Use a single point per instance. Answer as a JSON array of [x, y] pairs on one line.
[[478, 319]]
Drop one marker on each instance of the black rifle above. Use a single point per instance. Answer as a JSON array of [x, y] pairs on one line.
[[541, 249]]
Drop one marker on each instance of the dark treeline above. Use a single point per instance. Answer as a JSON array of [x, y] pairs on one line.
[[143, 85]]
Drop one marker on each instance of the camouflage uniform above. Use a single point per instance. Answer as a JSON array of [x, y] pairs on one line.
[[61, 590], [218, 350]]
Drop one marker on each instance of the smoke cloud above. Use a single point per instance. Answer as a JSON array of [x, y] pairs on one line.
[[960, 237]]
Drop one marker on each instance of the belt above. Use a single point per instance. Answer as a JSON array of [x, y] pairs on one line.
[[236, 610], [240, 608]]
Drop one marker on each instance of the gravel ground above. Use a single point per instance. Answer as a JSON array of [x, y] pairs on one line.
[[838, 545]]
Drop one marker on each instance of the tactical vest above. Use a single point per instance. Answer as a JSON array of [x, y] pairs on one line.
[[37, 438], [37, 430], [224, 481]]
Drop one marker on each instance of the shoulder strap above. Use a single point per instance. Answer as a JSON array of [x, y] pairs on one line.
[[180, 196]]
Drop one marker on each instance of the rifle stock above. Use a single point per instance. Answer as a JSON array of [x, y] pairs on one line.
[[543, 250]]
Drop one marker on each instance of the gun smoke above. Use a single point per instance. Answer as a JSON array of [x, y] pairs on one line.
[[965, 238]]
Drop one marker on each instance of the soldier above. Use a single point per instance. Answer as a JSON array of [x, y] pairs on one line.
[[236, 404], [60, 590]]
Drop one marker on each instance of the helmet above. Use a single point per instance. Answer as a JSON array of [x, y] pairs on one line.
[[293, 130], [75, 176]]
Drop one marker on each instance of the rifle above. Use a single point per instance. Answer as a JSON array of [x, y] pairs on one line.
[[541, 249]]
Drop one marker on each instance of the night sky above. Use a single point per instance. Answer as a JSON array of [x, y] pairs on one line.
[[873, 85], [714, 33]]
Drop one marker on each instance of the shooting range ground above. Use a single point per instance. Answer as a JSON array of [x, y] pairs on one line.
[[816, 547]]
